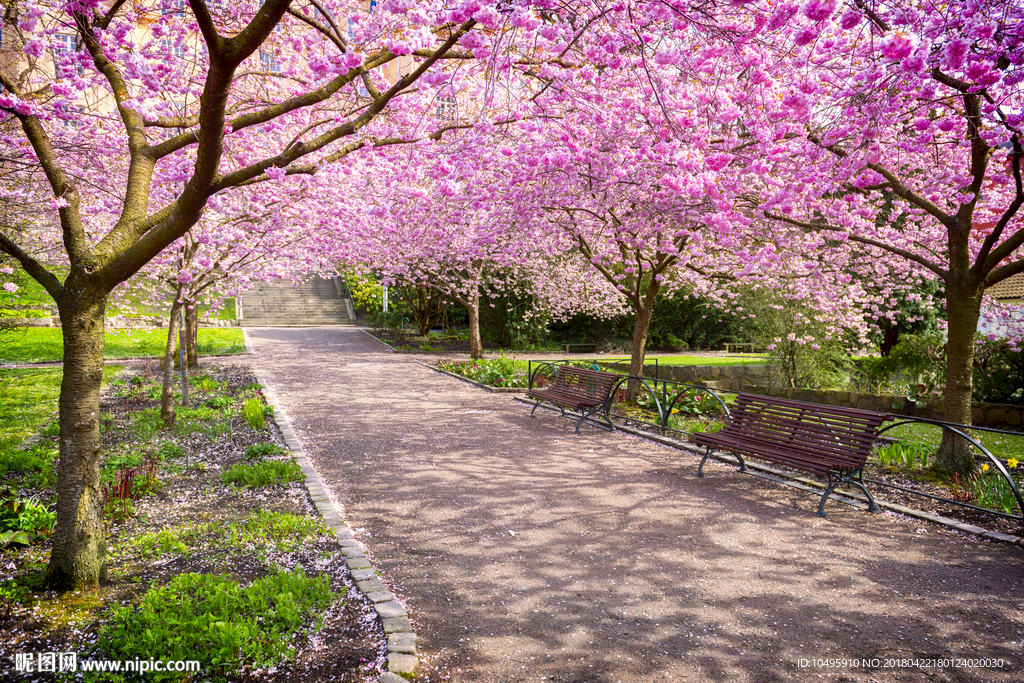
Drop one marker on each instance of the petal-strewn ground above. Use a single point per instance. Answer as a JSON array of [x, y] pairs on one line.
[[527, 553]]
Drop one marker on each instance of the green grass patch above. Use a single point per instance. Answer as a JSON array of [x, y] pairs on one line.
[[37, 344], [285, 532], [745, 359], [263, 474], [28, 400], [1003, 446], [218, 621]]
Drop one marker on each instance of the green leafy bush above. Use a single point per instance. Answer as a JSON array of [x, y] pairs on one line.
[[261, 450], [218, 402], [218, 621], [263, 474], [495, 372]]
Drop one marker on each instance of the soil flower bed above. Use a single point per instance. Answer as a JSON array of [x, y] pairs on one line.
[[215, 552]]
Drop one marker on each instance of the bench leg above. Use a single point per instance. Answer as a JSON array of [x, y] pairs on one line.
[[700, 470], [855, 477], [859, 481], [535, 406]]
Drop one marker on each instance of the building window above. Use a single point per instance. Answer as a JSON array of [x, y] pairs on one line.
[[269, 62], [65, 52], [175, 8], [446, 107]]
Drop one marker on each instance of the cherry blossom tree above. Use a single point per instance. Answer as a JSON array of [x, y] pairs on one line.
[[898, 127], [210, 98]]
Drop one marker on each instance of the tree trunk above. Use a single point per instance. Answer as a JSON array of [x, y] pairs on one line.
[[78, 558], [641, 326], [476, 346], [963, 308], [192, 335], [167, 396]]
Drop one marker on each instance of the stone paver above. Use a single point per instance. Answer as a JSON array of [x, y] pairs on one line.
[[524, 553]]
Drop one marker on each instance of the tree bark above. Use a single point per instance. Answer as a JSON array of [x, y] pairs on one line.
[[192, 335], [78, 558], [963, 308], [641, 326], [476, 346], [167, 395]]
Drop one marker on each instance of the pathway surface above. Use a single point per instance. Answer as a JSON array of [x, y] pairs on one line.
[[526, 553]]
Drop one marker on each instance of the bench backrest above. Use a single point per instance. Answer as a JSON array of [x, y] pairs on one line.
[[583, 383], [834, 432]]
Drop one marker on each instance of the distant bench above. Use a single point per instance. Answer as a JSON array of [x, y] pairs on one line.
[[818, 439], [586, 391]]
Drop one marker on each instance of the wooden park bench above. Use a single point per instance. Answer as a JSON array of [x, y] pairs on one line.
[[586, 391], [585, 347], [826, 441]]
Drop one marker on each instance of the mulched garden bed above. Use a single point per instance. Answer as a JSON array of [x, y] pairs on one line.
[[194, 523]]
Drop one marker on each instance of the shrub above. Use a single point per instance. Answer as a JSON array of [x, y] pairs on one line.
[[495, 372], [217, 621], [263, 474]]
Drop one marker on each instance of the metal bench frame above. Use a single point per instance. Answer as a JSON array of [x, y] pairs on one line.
[[586, 391], [827, 441]]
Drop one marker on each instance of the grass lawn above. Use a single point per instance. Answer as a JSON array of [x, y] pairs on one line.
[[745, 359], [28, 400], [46, 344], [1002, 446]]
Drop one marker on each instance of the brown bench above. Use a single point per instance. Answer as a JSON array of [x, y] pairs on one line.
[[826, 441], [586, 391]]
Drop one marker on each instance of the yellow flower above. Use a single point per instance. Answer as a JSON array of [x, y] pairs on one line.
[[1012, 462], [674, 411], [984, 468]]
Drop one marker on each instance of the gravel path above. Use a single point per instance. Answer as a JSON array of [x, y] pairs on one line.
[[526, 553]]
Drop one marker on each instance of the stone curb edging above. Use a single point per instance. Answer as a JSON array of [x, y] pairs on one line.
[[493, 390], [378, 339], [789, 479], [402, 657]]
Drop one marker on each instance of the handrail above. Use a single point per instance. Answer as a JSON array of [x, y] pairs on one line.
[[952, 427]]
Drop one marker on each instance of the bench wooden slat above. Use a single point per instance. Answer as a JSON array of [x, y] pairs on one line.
[[577, 388], [809, 437]]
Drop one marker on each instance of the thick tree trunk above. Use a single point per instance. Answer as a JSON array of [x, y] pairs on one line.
[[641, 326], [476, 345], [167, 396], [963, 308], [192, 335], [78, 557]]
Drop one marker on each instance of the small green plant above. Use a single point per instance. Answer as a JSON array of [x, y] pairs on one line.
[[496, 372], [169, 451], [35, 462], [261, 450], [174, 541], [905, 454], [206, 383], [991, 490], [146, 424], [155, 393], [218, 402], [263, 474], [280, 530], [217, 621], [52, 429], [23, 521], [252, 410]]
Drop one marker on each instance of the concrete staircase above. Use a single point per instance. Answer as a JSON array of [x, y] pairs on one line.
[[312, 303]]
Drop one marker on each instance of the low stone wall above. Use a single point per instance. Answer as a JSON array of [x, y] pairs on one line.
[[729, 377], [985, 414]]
